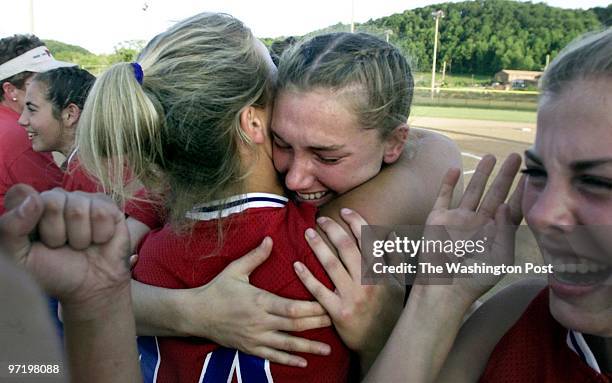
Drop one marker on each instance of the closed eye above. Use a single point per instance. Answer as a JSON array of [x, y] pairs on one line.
[[328, 160], [534, 172], [596, 182], [281, 145]]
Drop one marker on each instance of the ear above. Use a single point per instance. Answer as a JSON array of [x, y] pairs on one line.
[[254, 123], [9, 90], [71, 115], [394, 143]]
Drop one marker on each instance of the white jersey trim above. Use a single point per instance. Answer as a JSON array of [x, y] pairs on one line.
[[575, 341], [236, 204]]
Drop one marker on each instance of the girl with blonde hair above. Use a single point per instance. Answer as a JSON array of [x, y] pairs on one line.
[[191, 119]]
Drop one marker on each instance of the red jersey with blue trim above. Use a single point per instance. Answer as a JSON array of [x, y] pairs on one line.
[[18, 162], [537, 349], [175, 261]]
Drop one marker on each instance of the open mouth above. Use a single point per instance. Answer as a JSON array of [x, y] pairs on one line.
[[31, 135], [312, 196], [583, 273]]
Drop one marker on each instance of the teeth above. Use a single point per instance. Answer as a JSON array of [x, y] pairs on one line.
[[311, 196], [583, 273], [581, 268]]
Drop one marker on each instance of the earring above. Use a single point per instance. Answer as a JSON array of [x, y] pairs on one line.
[[14, 98]]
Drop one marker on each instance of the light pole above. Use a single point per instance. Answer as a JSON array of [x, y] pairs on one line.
[[387, 33], [438, 14], [352, 16]]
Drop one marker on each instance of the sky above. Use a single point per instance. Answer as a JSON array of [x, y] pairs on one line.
[[99, 25]]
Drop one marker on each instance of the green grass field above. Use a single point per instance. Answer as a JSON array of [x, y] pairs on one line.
[[474, 113]]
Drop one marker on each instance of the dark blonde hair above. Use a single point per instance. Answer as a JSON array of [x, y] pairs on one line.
[[375, 74], [588, 57], [179, 131]]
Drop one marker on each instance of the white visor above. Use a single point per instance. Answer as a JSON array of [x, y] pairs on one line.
[[35, 60]]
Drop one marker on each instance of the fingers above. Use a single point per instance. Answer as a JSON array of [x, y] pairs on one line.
[[286, 342], [249, 262], [52, 226], [133, 260], [78, 221], [445, 194], [332, 265], [345, 244], [104, 216], [17, 194], [515, 202], [292, 308], [498, 191], [355, 221], [276, 356], [327, 298], [477, 184], [16, 225], [303, 324]]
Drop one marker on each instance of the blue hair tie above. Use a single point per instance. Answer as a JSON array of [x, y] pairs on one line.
[[138, 72]]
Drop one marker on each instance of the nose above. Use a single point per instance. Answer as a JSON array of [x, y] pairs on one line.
[[23, 120], [300, 176], [554, 209]]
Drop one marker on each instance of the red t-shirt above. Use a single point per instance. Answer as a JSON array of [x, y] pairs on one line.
[[535, 350], [175, 261], [18, 162]]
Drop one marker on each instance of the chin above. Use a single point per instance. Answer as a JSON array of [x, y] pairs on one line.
[[589, 314]]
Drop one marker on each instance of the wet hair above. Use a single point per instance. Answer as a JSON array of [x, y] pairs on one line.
[[179, 131], [279, 46], [65, 86], [372, 73], [14, 46], [588, 57]]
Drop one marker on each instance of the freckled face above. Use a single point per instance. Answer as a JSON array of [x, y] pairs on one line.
[[568, 202], [320, 147]]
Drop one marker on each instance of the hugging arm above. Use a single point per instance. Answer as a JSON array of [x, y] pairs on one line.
[[419, 344], [402, 193], [229, 310], [255, 322], [428, 327]]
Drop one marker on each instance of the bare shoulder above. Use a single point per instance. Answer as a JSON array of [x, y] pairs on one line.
[[429, 155], [426, 145], [485, 327]]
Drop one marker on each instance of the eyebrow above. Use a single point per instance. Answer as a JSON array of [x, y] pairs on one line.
[[576, 166], [319, 148]]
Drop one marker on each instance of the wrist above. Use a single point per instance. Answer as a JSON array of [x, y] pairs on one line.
[[102, 305], [448, 300]]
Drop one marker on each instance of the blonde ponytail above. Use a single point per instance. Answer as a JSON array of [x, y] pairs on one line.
[[122, 125]]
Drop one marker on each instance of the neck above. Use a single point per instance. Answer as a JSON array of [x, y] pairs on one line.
[[261, 175], [12, 105]]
